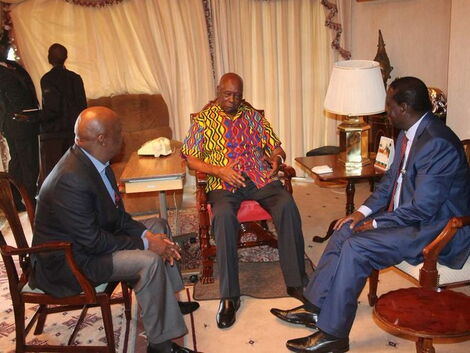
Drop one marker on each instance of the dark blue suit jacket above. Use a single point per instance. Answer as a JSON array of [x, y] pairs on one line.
[[435, 187]]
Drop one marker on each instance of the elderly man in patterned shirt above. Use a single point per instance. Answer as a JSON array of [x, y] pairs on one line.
[[235, 145]]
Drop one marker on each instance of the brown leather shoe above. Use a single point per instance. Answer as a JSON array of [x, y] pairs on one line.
[[319, 342], [299, 315], [227, 312]]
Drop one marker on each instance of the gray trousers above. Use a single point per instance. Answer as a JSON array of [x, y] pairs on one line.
[[286, 218], [155, 283]]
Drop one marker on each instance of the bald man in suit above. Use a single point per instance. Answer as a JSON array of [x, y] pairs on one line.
[[80, 203]]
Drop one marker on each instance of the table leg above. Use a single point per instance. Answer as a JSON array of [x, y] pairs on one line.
[[350, 190], [163, 208]]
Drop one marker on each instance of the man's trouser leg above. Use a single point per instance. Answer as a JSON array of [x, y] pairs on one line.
[[24, 165], [286, 218], [225, 226], [154, 283], [347, 261]]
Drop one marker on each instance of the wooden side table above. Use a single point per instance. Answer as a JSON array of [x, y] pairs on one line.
[[339, 173], [148, 173]]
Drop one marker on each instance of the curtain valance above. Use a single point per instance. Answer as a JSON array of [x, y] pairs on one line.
[[94, 3]]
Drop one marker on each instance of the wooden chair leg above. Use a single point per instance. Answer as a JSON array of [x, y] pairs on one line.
[[42, 314], [108, 323], [77, 325], [424, 345], [207, 255], [20, 329], [126, 294], [373, 281], [207, 269], [328, 234]]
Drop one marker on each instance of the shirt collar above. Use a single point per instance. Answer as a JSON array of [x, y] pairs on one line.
[[98, 165], [411, 132], [240, 110]]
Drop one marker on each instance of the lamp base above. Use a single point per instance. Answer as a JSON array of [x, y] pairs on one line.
[[354, 143]]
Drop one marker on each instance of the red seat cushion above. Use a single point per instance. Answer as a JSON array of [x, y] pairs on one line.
[[250, 211]]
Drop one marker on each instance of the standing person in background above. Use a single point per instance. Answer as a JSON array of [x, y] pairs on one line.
[[17, 95], [63, 98]]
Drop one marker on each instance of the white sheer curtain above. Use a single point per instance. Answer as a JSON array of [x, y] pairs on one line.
[[137, 46], [281, 48]]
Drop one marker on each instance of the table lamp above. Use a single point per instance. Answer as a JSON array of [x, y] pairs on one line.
[[356, 89]]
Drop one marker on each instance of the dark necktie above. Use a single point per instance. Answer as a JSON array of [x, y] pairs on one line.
[[404, 142], [110, 175]]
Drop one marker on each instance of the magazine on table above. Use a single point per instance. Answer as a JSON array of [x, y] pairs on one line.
[[384, 156]]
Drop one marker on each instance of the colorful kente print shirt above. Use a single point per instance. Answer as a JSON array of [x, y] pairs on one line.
[[217, 139]]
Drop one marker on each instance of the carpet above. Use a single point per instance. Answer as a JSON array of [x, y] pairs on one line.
[[184, 226], [260, 273], [260, 280]]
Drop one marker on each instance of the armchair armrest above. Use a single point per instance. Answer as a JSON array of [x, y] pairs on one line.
[[66, 247], [428, 275]]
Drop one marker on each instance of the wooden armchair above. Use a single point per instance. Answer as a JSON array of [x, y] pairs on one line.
[[252, 217], [22, 294], [427, 312], [447, 277]]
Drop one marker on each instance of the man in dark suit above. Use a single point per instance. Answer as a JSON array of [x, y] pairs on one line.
[[17, 94], [427, 184], [63, 98], [79, 202]]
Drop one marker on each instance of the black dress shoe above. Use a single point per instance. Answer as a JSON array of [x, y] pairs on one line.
[[188, 307], [173, 348], [296, 292], [319, 342], [226, 313], [299, 315]]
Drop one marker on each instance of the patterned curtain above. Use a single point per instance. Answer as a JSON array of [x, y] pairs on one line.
[[336, 27]]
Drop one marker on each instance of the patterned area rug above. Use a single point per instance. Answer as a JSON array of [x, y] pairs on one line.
[[260, 273], [184, 225]]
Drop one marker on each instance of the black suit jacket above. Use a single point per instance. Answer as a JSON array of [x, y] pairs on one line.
[[75, 206], [16, 94], [63, 99]]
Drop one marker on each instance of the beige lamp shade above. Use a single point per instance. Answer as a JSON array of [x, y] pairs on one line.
[[356, 88]]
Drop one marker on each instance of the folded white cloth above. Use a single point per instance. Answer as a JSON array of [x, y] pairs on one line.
[[322, 169]]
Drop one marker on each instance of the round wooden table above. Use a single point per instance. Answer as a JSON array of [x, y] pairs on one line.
[[425, 313]]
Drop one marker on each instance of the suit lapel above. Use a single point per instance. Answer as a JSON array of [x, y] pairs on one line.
[[93, 174], [422, 126]]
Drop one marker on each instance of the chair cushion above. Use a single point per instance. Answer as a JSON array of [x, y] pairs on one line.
[[447, 275], [28, 289], [250, 211]]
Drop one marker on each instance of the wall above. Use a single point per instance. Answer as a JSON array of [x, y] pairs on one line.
[[459, 70], [416, 35]]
